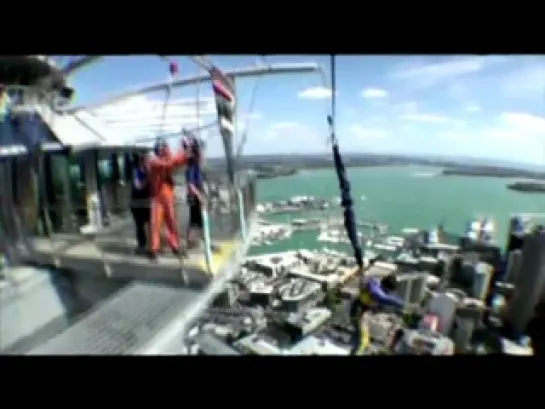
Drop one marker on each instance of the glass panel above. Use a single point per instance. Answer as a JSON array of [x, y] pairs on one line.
[[62, 213], [77, 189]]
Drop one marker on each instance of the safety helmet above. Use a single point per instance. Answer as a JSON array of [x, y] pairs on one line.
[[159, 145]]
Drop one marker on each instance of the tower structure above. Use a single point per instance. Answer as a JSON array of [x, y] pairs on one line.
[[529, 282], [515, 237]]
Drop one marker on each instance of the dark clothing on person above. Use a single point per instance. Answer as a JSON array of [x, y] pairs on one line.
[[141, 219], [193, 176], [373, 296], [195, 215], [140, 206]]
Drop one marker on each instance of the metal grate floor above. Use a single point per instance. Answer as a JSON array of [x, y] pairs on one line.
[[122, 324]]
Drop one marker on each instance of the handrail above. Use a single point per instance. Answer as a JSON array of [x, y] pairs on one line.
[[225, 220]]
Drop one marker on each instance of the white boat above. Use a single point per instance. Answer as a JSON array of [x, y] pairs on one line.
[[410, 231], [336, 236], [481, 229]]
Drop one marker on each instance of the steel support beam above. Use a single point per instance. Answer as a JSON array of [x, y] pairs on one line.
[[273, 69]]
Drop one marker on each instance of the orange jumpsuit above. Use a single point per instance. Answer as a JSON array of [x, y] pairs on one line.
[[162, 199]]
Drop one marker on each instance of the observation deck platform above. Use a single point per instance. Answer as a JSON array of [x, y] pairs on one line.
[[113, 256]]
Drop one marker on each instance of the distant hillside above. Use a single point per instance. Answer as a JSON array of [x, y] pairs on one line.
[[461, 166], [492, 171]]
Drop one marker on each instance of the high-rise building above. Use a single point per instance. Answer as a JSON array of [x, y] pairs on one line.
[[481, 280], [444, 307], [463, 331], [418, 288], [529, 282], [514, 259], [412, 287], [515, 238], [403, 289]]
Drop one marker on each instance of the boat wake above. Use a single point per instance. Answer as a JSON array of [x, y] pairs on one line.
[[425, 174]]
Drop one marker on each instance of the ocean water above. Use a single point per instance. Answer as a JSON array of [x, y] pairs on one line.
[[401, 197]]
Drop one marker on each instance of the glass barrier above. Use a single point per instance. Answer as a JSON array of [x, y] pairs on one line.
[[45, 206], [51, 219]]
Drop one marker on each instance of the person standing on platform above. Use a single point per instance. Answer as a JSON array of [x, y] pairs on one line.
[[160, 168], [140, 202], [195, 190]]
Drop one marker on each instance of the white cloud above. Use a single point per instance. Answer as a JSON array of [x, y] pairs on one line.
[[430, 118], [428, 75], [472, 108], [371, 93], [290, 129], [315, 93], [454, 136], [508, 127], [248, 120], [526, 81], [408, 107], [501, 134], [377, 118], [524, 123], [363, 132], [286, 125], [286, 137], [350, 111], [142, 116], [518, 136]]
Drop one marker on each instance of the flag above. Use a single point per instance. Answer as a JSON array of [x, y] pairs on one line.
[[224, 92]]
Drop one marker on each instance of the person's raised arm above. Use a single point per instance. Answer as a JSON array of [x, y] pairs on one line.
[[383, 298], [174, 161]]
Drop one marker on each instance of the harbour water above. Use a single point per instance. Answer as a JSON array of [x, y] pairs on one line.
[[400, 197]]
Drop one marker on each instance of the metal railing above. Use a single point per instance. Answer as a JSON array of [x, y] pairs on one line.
[[58, 225]]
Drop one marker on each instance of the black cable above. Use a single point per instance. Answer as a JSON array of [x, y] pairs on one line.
[[333, 88], [331, 117]]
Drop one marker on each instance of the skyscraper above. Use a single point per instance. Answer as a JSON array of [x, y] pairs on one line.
[[514, 259], [481, 280], [529, 282], [515, 238]]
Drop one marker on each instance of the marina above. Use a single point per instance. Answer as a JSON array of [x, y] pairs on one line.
[[293, 204], [267, 233], [449, 308]]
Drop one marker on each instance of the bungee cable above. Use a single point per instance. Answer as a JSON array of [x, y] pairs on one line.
[[344, 183], [173, 70]]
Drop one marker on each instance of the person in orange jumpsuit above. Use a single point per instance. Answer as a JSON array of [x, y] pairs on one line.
[[160, 168]]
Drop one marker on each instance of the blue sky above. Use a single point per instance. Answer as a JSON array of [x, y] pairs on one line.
[[479, 106]]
